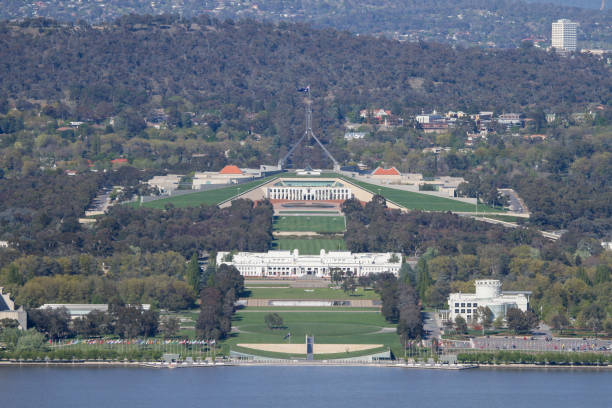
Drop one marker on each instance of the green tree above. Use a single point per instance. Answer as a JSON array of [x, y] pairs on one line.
[[559, 322], [273, 321], [349, 284], [424, 280], [461, 325], [521, 322], [194, 273], [170, 326]]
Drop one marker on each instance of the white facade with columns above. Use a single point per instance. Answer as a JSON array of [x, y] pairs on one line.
[[308, 190], [290, 264], [488, 294]]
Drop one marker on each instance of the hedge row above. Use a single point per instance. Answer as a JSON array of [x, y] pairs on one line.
[[520, 357]]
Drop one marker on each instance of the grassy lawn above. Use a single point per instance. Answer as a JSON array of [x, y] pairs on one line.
[[210, 197], [341, 327], [310, 246], [425, 202], [311, 293], [309, 223], [327, 327], [331, 326]]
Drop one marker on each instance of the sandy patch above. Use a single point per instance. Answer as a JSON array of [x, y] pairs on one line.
[[277, 348], [318, 348]]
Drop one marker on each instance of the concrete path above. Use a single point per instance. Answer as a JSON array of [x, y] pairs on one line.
[[431, 325]]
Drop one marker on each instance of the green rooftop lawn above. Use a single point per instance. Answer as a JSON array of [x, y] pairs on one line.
[[310, 246], [426, 202], [311, 293], [309, 223], [209, 197]]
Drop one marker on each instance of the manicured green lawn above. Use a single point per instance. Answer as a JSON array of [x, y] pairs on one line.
[[327, 327], [309, 223], [210, 197], [416, 201], [344, 326], [308, 246], [311, 293]]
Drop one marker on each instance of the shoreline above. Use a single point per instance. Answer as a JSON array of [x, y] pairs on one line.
[[423, 366]]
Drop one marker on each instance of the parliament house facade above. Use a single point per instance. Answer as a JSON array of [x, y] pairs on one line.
[[290, 264]]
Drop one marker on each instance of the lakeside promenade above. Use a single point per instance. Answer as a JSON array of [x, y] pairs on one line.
[[301, 363]]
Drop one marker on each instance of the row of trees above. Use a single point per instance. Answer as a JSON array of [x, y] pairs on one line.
[[222, 287], [125, 321]]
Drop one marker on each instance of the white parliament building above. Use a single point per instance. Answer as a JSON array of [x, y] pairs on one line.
[[488, 294], [290, 264], [317, 190]]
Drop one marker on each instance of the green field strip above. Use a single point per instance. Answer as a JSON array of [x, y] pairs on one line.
[[416, 201], [309, 223], [309, 246], [311, 294]]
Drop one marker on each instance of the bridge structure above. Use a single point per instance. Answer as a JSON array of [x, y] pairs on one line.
[[308, 134]]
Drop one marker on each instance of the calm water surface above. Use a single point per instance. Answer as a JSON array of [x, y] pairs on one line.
[[312, 387]]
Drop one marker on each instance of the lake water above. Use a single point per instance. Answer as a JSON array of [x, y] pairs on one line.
[[312, 387]]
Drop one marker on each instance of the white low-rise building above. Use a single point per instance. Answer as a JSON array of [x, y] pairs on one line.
[[488, 294], [166, 184], [80, 310], [290, 264], [8, 311]]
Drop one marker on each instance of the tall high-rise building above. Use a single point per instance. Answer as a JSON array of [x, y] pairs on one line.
[[564, 35]]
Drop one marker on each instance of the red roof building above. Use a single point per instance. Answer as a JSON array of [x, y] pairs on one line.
[[231, 169], [119, 161], [380, 171]]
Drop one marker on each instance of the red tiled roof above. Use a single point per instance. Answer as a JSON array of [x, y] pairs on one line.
[[115, 161], [230, 170], [386, 172]]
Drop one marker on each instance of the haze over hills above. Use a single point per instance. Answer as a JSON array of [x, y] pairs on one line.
[[493, 23]]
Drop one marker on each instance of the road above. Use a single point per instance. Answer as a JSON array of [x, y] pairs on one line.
[[516, 204], [431, 325]]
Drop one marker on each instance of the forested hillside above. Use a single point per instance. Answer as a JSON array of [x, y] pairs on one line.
[[492, 23], [143, 62]]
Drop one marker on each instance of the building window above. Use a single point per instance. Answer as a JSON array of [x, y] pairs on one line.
[[475, 304], [462, 310], [456, 310], [463, 305], [456, 304], [469, 305]]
